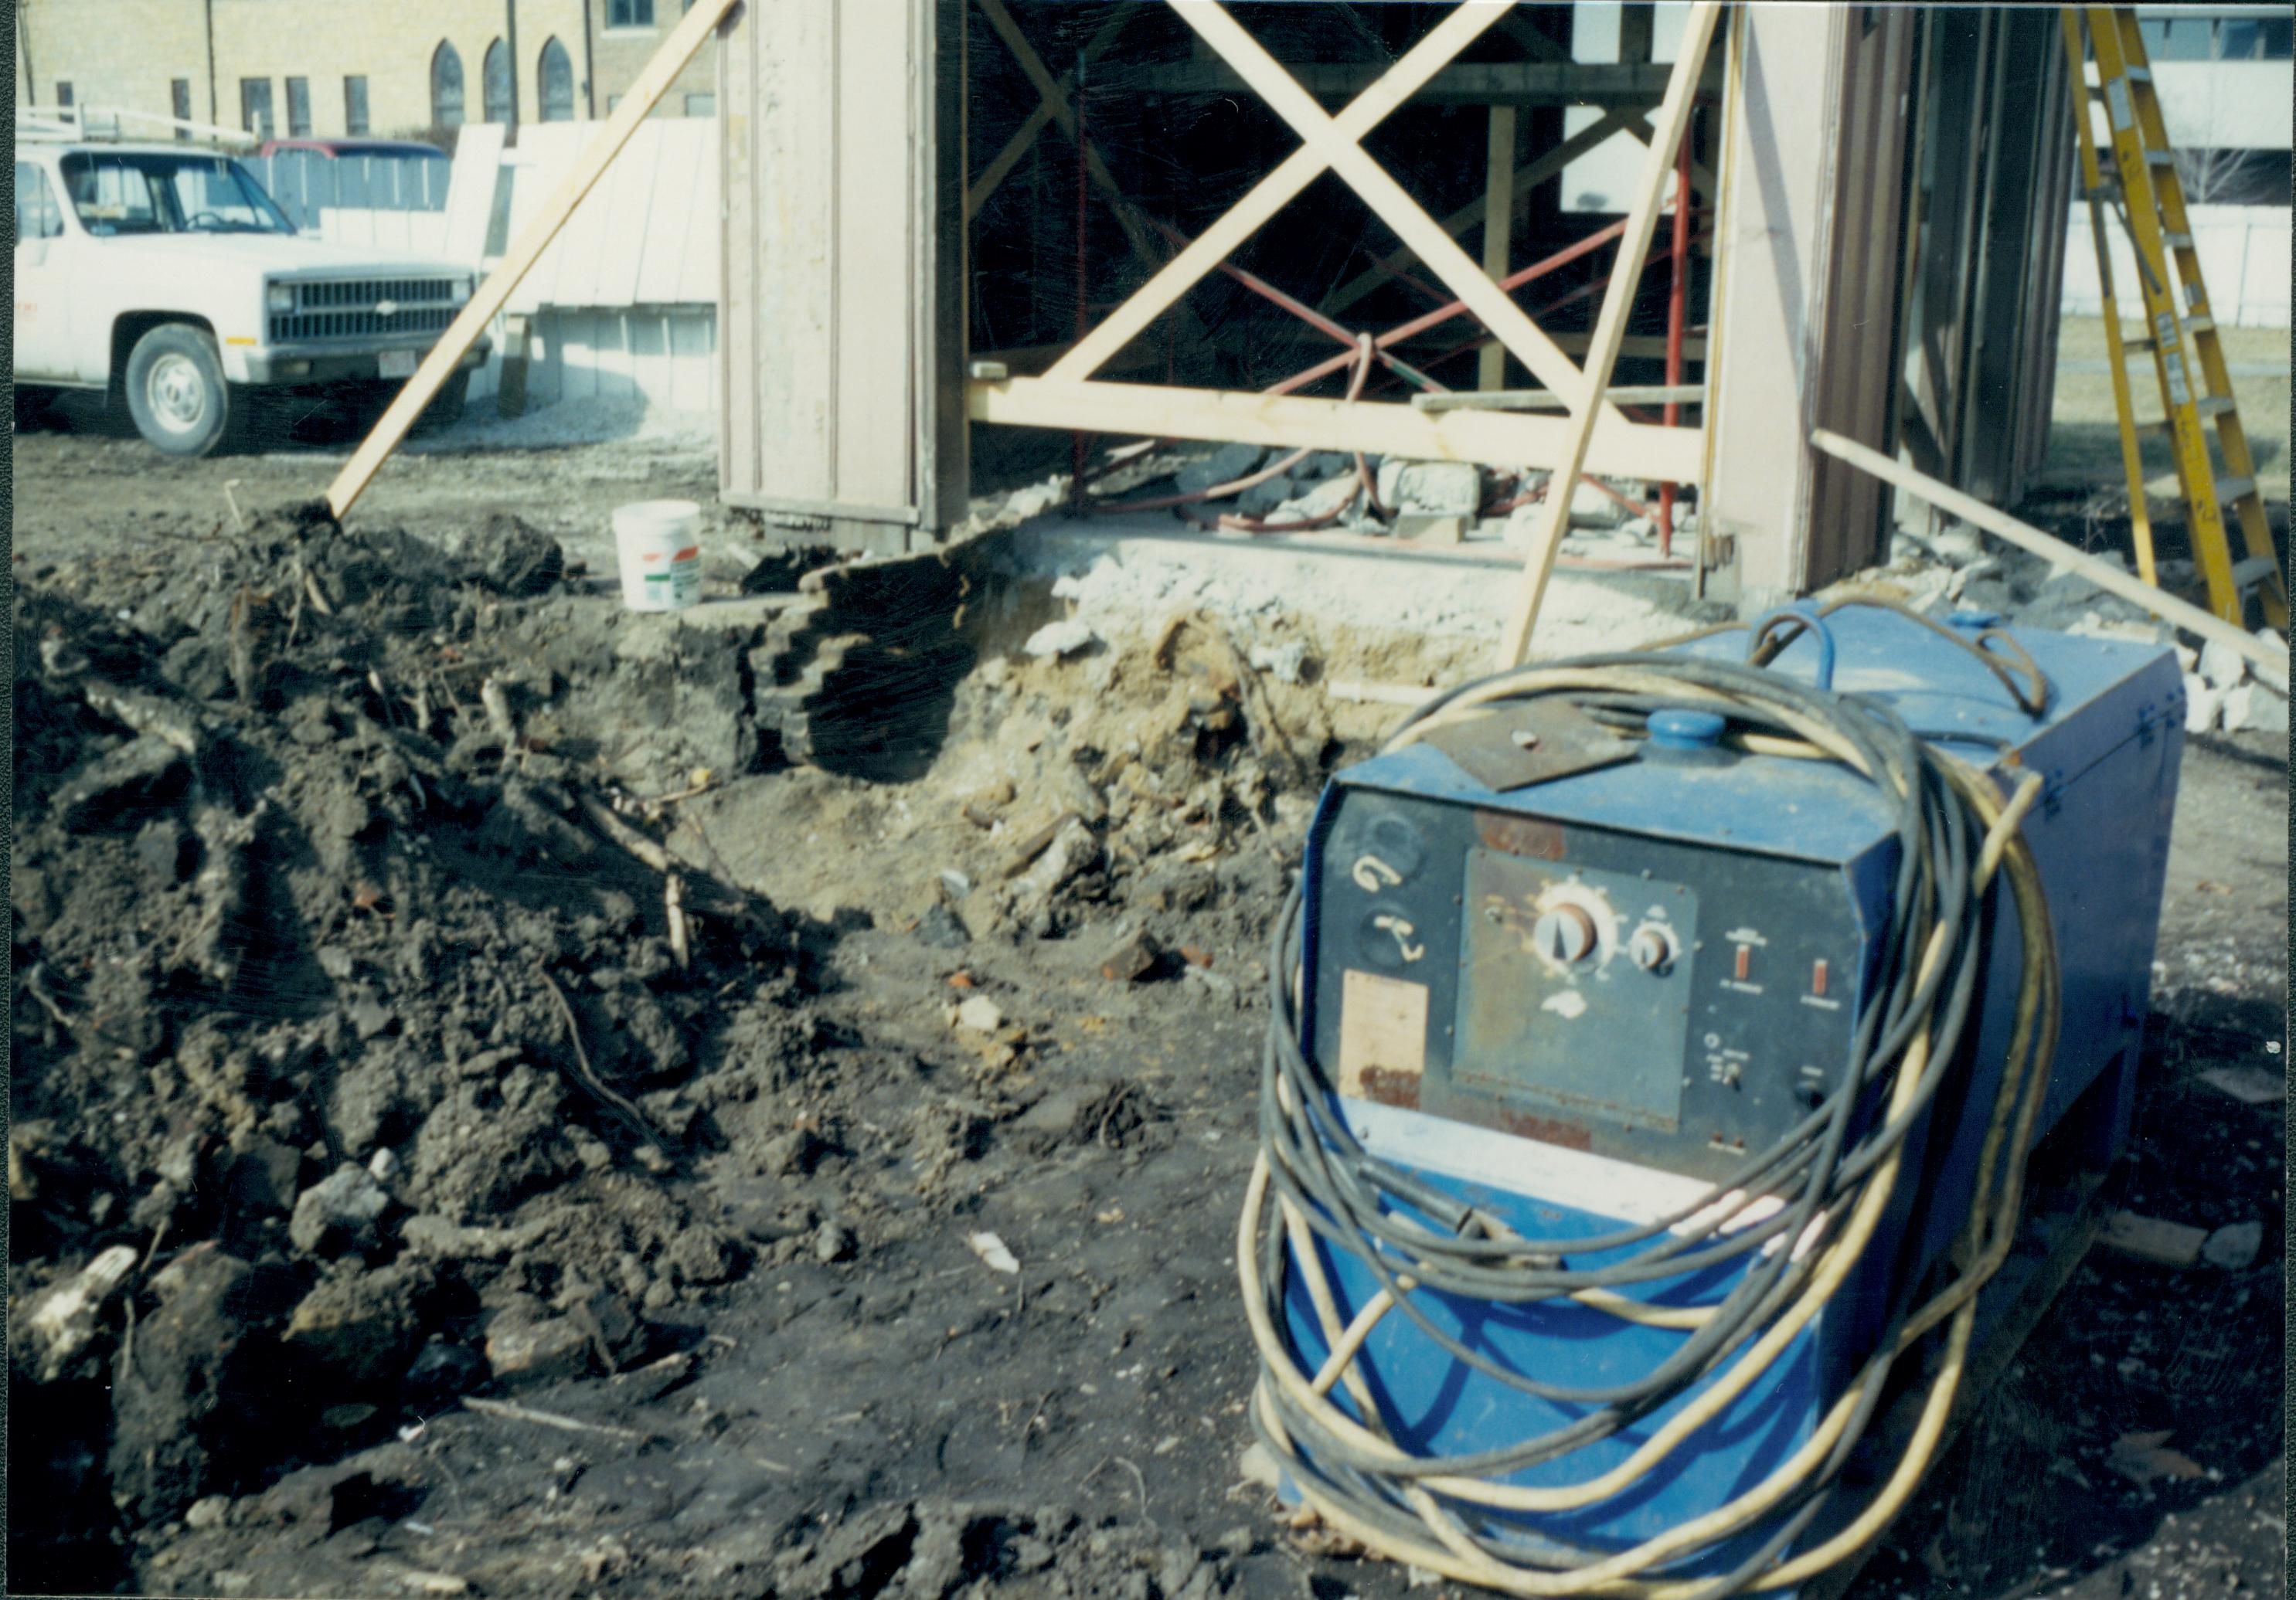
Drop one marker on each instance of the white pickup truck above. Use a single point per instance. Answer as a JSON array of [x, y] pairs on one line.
[[163, 275]]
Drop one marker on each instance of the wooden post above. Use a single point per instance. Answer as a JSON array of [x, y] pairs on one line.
[[1498, 216], [495, 293], [1611, 327]]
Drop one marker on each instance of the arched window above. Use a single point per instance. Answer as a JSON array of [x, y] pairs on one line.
[[557, 83], [495, 76], [446, 86]]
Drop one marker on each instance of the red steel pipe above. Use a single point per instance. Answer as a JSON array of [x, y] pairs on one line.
[[1677, 300]]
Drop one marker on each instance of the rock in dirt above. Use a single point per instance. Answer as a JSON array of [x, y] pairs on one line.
[[65, 1320], [1061, 639], [340, 1213], [2221, 664], [1134, 957], [514, 556], [2203, 703], [2234, 1246], [979, 1015], [198, 1388], [526, 1344], [361, 1326], [2253, 708]]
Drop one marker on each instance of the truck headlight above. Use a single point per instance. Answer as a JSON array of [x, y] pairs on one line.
[[279, 297], [461, 289]]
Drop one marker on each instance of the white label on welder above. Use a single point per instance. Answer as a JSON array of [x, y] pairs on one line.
[[1567, 1004], [2116, 104], [1382, 1028]]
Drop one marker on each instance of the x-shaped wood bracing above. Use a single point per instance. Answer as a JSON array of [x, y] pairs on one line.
[[1334, 143]]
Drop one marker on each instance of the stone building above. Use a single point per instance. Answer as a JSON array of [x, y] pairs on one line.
[[331, 68]]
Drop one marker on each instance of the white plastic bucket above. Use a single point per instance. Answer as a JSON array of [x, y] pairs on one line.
[[659, 543]]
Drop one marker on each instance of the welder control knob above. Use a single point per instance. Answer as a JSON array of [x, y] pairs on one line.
[[1653, 948], [1564, 934]]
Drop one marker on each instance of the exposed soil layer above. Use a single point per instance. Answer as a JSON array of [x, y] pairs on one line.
[[345, 1263]]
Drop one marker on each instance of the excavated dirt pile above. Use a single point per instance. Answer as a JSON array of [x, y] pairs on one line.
[[405, 1011], [333, 998]]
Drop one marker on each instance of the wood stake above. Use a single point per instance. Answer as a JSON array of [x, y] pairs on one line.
[[495, 293]]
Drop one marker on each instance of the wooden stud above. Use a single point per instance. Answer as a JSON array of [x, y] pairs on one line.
[[446, 357], [1498, 216], [1278, 189], [1610, 329]]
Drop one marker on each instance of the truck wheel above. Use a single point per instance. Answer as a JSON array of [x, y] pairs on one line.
[[446, 408], [175, 391]]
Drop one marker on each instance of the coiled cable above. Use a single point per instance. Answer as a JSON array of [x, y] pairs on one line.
[[1830, 1178]]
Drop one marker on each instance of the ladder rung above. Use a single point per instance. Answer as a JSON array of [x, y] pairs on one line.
[[2202, 323], [2141, 344], [2253, 570], [2138, 75], [2177, 241], [2213, 405], [2106, 189], [2161, 158], [2229, 489]]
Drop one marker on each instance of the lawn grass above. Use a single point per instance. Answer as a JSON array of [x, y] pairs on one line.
[[2083, 436]]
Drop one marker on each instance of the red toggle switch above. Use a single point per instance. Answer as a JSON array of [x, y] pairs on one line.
[[1745, 961], [1817, 978]]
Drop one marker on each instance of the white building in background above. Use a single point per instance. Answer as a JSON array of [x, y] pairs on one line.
[[2225, 76]]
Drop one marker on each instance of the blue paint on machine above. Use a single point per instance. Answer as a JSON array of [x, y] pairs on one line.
[[1576, 1002]]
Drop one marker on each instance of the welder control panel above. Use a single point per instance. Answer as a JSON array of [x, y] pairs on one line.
[[1661, 1001]]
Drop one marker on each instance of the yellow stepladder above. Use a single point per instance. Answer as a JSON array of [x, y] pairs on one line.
[[2151, 206]]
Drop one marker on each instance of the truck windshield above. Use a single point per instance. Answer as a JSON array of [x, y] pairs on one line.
[[134, 192]]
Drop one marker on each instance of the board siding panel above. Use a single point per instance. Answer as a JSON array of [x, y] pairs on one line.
[[841, 194]]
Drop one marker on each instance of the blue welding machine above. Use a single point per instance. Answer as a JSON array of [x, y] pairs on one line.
[[1560, 975]]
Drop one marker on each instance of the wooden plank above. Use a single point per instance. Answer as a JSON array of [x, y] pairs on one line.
[[1610, 329], [995, 174], [2271, 660], [1493, 438], [874, 246], [1498, 216], [2151, 1239], [795, 290], [446, 357], [1338, 148], [1282, 185]]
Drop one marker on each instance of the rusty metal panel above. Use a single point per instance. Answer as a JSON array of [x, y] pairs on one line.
[[843, 368]]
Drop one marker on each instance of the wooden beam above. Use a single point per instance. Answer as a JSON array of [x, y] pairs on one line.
[[2271, 660], [1272, 193], [1610, 329], [1498, 216], [1341, 151], [649, 86], [1637, 125], [1622, 449], [1626, 394]]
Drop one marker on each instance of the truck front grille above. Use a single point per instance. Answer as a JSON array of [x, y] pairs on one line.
[[348, 309]]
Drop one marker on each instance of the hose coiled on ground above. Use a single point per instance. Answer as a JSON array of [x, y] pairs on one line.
[[1833, 1174]]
